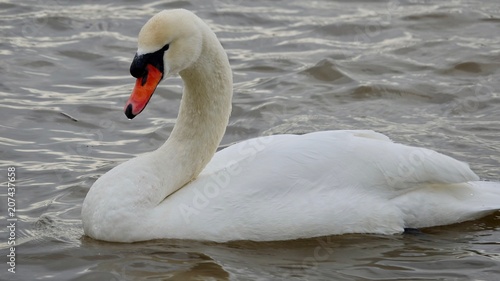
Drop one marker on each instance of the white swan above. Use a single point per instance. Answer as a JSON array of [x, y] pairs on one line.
[[269, 188]]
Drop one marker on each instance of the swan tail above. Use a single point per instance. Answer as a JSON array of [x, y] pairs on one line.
[[442, 204], [487, 194]]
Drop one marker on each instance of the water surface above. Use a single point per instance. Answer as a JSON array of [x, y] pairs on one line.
[[424, 73]]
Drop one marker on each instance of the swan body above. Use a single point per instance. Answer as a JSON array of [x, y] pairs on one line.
[[269, 188]]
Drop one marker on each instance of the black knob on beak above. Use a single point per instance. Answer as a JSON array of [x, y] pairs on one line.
[[138, 66]]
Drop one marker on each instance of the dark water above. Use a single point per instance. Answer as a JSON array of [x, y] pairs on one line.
[[423, 72]]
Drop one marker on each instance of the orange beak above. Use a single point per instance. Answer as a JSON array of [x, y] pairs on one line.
[[144, 88]]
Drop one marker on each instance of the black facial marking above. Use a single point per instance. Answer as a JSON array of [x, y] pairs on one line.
[[138, 67]]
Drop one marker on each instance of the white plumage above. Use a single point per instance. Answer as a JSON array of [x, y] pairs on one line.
[[269, 188]]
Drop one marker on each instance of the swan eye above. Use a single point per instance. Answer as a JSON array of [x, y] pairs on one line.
[[165, 48]]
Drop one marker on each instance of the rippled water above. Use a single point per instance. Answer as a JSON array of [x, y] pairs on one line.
[[423, 72]]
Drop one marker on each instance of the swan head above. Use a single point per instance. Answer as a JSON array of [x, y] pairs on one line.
[[168, 43]]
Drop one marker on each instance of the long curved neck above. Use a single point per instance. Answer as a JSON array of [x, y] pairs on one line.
[[203, 116]]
